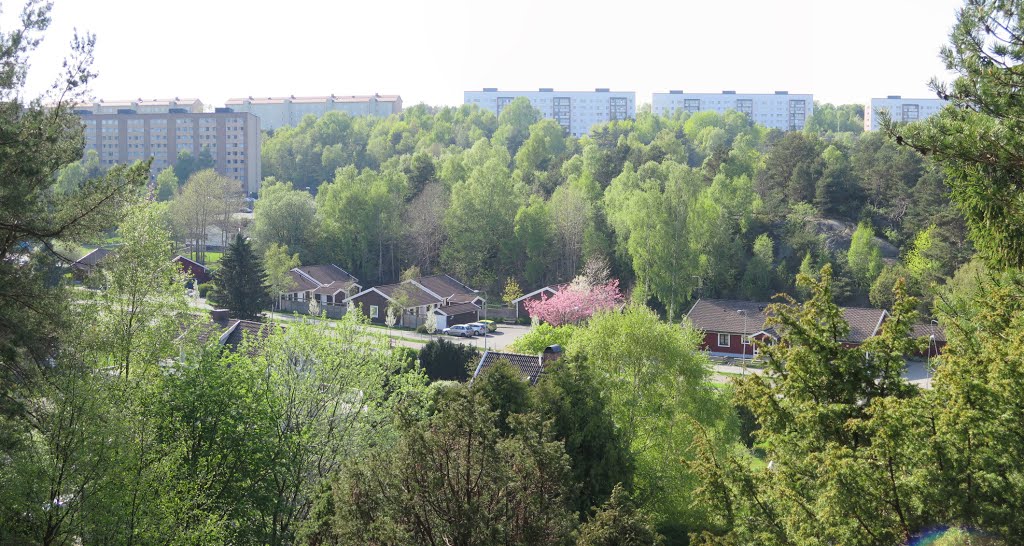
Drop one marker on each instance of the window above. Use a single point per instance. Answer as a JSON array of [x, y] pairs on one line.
[[723, 340], [745, 339], [374, 312]]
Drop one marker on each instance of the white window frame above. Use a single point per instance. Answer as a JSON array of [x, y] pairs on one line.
[[745, 339], [374, 311], [728, 338]]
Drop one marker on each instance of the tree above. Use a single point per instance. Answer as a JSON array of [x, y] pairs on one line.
[[278, 265], [40, 140], [511, 292], [443, 360], [575, 302], [464, 483], [864, 256], [619, 523], [207, 199], [186, 165], [285, 216], [424, 226], [166, 185], [240, 283]]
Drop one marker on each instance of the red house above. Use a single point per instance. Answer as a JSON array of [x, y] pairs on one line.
[[729, 325], [194, 269]]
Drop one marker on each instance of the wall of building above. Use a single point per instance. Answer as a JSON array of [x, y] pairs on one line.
[[902, 110], [233, 139], [779, 110], [277, 112], [575, 111]]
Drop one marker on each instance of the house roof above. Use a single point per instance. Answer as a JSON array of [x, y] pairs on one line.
[[553, 288], [925, 329], [335, 287], [326, 274], [93, 258], [725, 316], [301, 282], [230, 332], [531, 366], [458, 308], [416, 295], [444, 286], [186, 261]]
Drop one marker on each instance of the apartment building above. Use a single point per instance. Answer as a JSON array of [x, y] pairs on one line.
[[142, 106], [575, 111], [901, 109], [778, 110], [127, 135], [275, 112]]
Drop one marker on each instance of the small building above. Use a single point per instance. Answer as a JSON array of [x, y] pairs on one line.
[[935, 334], [194, 269], [86, 265], [730, 325], [230, 333], [328, 285], [530, 366], [450, 301], [537, 295]]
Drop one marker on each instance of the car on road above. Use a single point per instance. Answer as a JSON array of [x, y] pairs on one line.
[[478, 328], [459, 330], [491, 325]]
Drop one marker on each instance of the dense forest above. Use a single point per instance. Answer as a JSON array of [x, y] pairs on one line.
[[701, 204], [125, 420]]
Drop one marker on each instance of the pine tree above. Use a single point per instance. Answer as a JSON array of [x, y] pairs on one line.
[[240, 284]]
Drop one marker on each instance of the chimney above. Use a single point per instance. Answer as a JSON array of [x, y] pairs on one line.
[[220, 315], [551, 353]]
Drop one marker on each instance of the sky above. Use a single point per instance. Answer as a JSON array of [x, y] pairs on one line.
[[842, 51]]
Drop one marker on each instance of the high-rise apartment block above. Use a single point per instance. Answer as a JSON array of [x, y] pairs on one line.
[[575, 111], [127, 135], [900, 109], [142, 106], [275, 112], [779, 110]]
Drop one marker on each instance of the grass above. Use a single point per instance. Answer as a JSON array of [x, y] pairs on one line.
[[213, 258]]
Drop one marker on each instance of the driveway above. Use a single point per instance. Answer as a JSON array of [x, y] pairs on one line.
[[506, 334]]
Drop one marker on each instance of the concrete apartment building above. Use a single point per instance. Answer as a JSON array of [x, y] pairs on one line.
[[778, 110], [142, 106], [275, 112], [128, 135], [575, 111], [901, 109]]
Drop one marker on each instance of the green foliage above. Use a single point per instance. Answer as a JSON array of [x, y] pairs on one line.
[[278, 265], [619, 523], [443, 360], [505, 390], [543, 335], [166, 185], [511, 292], [864, 256], [285, 216], [240, 283], [186, 165], [204, 289]]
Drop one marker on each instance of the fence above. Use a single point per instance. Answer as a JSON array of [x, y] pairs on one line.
[[499, 313], [334, 311]]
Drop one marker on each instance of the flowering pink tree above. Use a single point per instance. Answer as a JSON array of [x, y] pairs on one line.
[[576, 302]]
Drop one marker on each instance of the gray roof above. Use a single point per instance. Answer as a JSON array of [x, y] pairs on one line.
[[417, 297], [327, 274], [445, 286], [458, 308], [531, 366], [724, 316], [301, 283], [93, 258], [927, 329]]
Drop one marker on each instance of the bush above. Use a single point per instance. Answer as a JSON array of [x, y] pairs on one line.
[[421, 329], [443, 360], [204, 289]]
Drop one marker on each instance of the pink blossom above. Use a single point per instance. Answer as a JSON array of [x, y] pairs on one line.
[[575, 302]]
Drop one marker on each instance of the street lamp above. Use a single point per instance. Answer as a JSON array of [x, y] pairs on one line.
[[743, 340]]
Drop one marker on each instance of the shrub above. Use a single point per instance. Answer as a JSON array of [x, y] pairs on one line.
[[421, 329], [204, 289], [443, 360]]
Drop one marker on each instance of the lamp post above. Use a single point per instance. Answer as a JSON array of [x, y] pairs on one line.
[[931, 342], [743, 340]]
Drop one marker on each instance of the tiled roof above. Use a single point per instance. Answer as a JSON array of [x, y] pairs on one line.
[[416, 295], [459, 308], [93, 258], [926, 329], [244, 329], [444, 286], [334, 287], [725, 316], [530, 366], [301, 283], [326, 274]]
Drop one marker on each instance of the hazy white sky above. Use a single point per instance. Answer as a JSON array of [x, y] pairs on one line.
[[431, 51]]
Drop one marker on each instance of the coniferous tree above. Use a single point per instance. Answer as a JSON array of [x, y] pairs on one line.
[[240, 284]]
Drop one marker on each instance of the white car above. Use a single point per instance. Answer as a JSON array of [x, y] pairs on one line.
[[478, 328], [460, 330]]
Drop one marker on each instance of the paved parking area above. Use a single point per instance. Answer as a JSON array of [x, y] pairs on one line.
[[506, 334]]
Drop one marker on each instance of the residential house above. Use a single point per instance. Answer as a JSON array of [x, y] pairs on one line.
[[89, 263], [450, 301], [729, 325], [935, 334], [537, 295], [328, 285], [230, 333], [194, 269], [530, 366]]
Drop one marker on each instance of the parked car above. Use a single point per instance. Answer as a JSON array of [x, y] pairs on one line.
[[491, 325], [478, 328], [460, 330]]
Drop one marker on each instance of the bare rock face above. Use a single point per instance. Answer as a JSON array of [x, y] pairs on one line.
[[838, 235]]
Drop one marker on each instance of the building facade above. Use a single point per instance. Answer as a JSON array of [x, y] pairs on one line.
[[276, 112], [142, 106], [779, 110], [902, 110], [575, 111], [126, 136]]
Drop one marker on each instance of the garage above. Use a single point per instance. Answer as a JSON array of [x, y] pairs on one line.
[[457, 313]]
